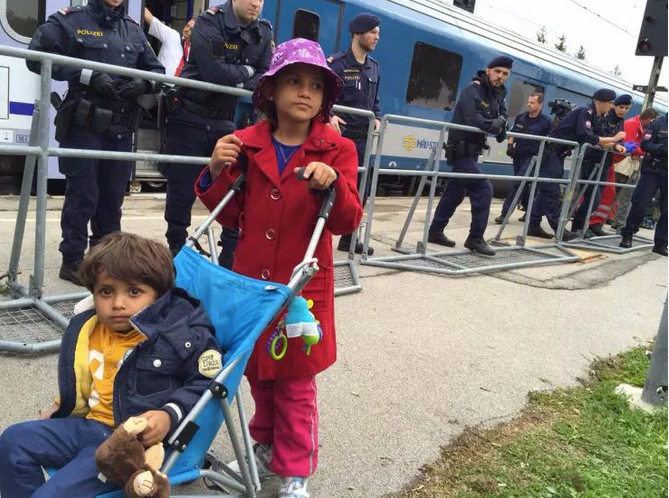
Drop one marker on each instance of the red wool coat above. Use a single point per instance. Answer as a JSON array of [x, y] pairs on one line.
[[276, 216]]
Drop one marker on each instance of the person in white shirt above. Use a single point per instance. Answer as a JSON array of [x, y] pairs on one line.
[[171, 52]]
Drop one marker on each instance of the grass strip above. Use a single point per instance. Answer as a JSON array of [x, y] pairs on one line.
[[576, 442]]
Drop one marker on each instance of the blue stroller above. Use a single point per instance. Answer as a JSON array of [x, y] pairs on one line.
[[240, 309]]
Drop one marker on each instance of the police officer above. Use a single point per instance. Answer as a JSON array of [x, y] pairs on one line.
[[230, 46], [100, 112], [361, 75], [481, 104], [653, 177], [532, 122], [610, 125], [579, 125]]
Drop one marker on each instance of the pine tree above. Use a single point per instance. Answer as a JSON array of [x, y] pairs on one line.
[[562, 45], [541, 35], [581, 53]]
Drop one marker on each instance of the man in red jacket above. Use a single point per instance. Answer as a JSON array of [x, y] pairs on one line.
[[624, 170]]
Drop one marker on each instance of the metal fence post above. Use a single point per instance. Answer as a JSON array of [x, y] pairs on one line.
[[24, 199], [655, 387], [37, 279]]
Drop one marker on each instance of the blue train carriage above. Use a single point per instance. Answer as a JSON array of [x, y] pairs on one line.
[[428, 52]]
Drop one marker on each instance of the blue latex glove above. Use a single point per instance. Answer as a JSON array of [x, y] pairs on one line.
[[630, 146]]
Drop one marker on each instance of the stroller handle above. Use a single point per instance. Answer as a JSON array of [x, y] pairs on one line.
[[329, 200]]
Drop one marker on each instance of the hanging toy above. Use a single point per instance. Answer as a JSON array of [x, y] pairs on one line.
[[299, 322]]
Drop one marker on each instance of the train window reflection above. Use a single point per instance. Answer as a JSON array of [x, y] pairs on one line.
[[520, 92], [25, 16], [433, 81], [307, 25]]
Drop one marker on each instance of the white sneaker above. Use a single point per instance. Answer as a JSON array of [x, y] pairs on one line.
[[293, 487], [263, 455]]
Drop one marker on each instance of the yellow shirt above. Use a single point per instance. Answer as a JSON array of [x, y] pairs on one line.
[[107, 350]]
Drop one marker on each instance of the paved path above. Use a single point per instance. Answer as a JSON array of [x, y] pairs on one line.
[[421, 356]]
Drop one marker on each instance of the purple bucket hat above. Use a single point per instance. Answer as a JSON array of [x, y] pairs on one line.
[[301, 50]]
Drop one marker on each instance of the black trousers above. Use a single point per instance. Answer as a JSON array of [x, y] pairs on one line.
[[94, 191], [189, 134]]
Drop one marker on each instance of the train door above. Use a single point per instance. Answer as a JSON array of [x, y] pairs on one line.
[[318, 20]]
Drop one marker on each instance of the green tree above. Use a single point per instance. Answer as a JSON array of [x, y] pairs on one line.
[[541, 35], [581, 53], [562, 44]]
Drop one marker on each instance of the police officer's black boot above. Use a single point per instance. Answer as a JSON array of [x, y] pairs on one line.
[[69, 270], [567, 235], [345, 243], [440, 239], [597, 230], [661, 250], [537, 231], [477, 244], [626, 243]]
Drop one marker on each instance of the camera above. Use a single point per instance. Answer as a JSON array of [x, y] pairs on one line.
[[560, 107]]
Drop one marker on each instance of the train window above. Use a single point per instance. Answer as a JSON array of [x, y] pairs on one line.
[[307, 24], [573, 97], [433, 81], [25, 16], [520, 92]]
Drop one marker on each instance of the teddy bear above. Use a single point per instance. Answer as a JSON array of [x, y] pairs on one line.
[[122, 460]]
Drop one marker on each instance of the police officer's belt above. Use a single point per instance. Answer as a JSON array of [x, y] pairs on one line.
[[553, 148], [206, 111]]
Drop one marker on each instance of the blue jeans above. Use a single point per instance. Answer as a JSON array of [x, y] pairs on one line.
[[480, 196], [68, 444]]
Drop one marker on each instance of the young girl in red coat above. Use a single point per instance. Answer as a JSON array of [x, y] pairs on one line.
[[276, 214]]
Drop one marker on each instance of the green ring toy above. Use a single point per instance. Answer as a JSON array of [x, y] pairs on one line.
[[284, 348]]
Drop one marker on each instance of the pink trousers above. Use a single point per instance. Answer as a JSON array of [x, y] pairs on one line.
[[286, 416]]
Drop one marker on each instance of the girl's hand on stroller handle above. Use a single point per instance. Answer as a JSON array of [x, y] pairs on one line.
[[226, 152], [319, 175]]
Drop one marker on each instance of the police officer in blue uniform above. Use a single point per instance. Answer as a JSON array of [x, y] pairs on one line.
[[481, 104], [230, 46], [610, 125], [579, 125], [361, 75], [653, 177], [100, 112], [531, 122]]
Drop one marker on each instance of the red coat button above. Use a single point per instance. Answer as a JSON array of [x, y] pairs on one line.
[[265, 274], [270, 234], [275, 194]]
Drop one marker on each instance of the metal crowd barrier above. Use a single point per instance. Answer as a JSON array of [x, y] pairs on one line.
[[462, 262], [31, 322], [606, 243]]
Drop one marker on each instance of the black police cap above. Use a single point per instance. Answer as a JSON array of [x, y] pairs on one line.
[[624, 99], [604, 94], [363, 22], [501, 61]]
